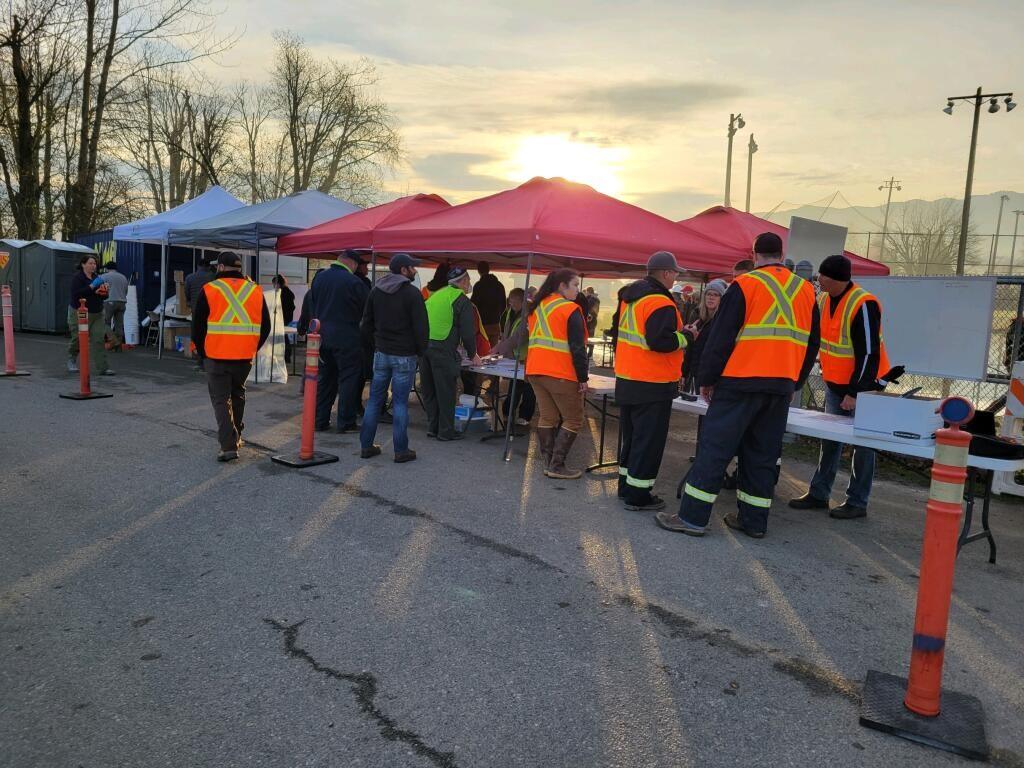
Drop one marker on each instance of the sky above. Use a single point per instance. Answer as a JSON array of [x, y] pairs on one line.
[[634, 98]]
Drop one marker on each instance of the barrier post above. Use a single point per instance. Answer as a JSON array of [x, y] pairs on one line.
[[916, 708], [10, 364], [307, 457], [84, 388]]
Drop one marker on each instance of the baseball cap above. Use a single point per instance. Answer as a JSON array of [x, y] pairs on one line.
[[768, 242], [229, 259], [402, 261], [663, 260]]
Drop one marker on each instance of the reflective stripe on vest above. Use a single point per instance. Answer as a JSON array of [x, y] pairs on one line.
[[236, 309], [772, 343], [548, 352], [836, 355], [441, 313], [634, 359]]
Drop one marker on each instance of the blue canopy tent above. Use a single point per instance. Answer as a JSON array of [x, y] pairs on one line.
[[154, 229], [258, 226]]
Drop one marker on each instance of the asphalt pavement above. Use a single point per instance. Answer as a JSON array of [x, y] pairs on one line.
[[158, 608]]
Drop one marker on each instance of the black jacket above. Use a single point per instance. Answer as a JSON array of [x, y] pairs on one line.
[[865, 334], [661, 335], [721, 340], [395, 319], [489, 298], [201, 316], [337, 299], [194, 283], [80, 290], [287, 304]]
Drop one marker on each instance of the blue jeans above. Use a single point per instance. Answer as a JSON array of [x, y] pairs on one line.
[[399, 372], [859, 489]]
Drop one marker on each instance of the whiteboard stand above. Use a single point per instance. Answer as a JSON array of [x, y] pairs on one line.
[[1013, 426]]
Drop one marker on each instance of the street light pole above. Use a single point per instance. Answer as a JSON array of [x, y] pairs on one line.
[[1013, 243], [978, 97], [735, 123], [999, 226], [891, 183], [751, 149]]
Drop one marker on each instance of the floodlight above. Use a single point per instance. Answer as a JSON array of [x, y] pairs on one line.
[[993, 105], [949, 108], [1010, 103]]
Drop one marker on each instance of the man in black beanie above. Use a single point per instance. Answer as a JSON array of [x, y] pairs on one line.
[[853, 358]]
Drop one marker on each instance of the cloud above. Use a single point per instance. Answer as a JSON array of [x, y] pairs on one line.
[[652, 99], [676, 204], [453, 170]]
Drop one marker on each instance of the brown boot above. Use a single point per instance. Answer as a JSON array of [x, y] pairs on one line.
[[546, 438], [557, 469]]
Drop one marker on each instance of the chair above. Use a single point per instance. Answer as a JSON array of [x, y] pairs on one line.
[[153, 330]]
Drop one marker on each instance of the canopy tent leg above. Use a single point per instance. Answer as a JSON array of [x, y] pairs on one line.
[[163, 298], [515, 375], [273, 319]]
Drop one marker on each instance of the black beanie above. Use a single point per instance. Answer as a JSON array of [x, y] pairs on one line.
[[837, 267], [768, 243]]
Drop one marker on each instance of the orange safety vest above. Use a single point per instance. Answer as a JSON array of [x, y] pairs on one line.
[[548, 352], [777, 327], [836, 354], [483, 341], [633, 358], [236, 312]]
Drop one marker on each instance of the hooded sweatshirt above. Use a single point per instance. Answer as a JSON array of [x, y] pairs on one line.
[[395, 318]]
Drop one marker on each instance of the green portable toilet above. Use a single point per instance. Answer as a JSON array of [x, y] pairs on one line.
[[10, 273], [46, 270]]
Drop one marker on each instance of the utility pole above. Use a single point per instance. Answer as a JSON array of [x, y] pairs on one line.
[[1013, 243], [735, 123], [977, 98], [890, 184], [751, 149], [995, 243]]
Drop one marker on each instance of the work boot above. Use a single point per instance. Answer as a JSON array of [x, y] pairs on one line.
[[808, 502], [847, 511], [546, 438], [557, 469], [72, 365], [369, 453], [107, 372], [227, 455], [403, 456], [651, 504], [732, 519], [671, 521]]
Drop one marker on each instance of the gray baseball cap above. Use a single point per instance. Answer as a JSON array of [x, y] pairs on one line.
[[663, 260]]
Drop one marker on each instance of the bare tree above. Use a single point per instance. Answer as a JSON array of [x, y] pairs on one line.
[[339, 135], [924, 239]]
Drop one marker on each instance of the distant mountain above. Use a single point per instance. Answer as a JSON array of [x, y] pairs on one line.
[[864, 218]]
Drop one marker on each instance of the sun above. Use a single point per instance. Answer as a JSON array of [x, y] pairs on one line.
[[560, 155]]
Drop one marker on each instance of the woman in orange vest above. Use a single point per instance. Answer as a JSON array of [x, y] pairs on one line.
[[557, 367]]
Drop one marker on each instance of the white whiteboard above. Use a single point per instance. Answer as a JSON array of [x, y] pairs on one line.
[[813, 241], [936, 326]]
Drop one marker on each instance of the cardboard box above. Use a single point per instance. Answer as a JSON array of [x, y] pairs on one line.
[[900, 419]]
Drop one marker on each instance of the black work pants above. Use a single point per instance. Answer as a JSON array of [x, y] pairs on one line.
[[749, 425], [643, 431], [226, 381], [340, 377], [439, 373]]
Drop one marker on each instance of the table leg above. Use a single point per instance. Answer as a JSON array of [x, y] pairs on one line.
[[601, 463], [966, 537]]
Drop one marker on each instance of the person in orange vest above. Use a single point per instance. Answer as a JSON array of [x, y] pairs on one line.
[[853, 359], [230, 322], [557, 368], [760, 350], [648, 366]]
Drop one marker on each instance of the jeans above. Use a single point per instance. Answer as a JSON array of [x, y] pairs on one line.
[[398, 371], [859, 489]]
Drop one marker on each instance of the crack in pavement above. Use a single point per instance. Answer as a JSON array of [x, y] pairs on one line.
[[364, 687]]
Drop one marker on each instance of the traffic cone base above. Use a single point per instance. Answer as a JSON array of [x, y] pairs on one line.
[[84, 395], [14, 373], [959, 728], [296, 461]]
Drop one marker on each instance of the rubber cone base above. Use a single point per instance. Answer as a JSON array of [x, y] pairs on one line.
[[296, 461], [80, 396], [16, 373], [959, 728]]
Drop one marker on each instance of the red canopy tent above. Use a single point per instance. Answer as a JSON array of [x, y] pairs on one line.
[[738, 230], [547, 223], [357, 230]]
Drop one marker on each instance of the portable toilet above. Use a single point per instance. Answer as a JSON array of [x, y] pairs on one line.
[[10, 273], [46, 270]]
